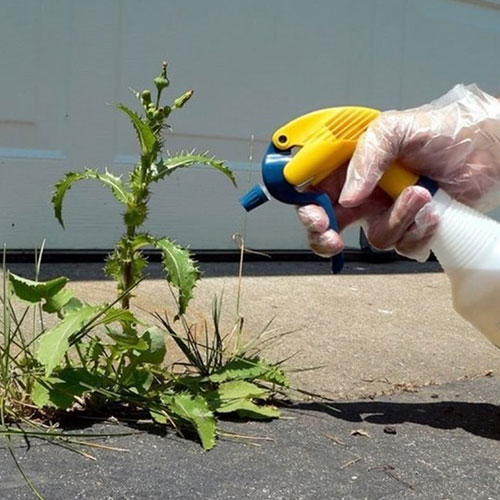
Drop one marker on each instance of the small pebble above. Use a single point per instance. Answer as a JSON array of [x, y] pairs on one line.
[[434, 396], [390, 430]]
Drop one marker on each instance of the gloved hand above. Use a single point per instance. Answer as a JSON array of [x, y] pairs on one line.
[[454, 140]]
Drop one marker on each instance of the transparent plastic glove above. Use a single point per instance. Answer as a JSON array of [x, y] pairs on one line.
[[454, 140]]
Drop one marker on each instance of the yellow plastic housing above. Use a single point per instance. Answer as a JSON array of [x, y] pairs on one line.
[[327, 139]]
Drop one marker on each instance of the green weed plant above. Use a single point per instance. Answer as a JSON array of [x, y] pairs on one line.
[[97, 356]]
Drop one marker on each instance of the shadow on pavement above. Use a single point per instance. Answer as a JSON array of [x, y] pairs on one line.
[[481, 419]]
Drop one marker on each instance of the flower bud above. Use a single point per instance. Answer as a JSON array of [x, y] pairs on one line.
[[183, 99], [145, 97], [161, 81]]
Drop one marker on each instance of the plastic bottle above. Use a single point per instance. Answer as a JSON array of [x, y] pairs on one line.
[[467, 245]]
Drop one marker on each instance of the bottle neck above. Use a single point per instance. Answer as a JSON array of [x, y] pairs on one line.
[[464, 235]]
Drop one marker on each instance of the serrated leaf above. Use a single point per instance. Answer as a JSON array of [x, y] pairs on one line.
[[250, 369], [55, 342], [142, 240], [145, 135], [60, 392], [180, 270], [35, 291], [167, 166], [127, 340], [135, 214], [138, 380], [40, 394], [195, 410], [158, 417], [126, 344], [240, 389], [115, 183], [251, 410], [237, 396], [114, 267], [156, 350], [117, 314], [62, 302]]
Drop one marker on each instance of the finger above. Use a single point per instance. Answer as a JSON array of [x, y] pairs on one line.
[[376, 151], [314, 218], [326, 244], [416, 242], [387, 229], [323, 241], [377, 203]]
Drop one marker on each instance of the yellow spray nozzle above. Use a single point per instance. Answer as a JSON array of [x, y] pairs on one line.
[[327, 139]]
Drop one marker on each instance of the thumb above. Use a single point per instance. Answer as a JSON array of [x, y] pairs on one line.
[[376, 151]]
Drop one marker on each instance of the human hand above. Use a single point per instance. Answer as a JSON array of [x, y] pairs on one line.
[[454, 140]]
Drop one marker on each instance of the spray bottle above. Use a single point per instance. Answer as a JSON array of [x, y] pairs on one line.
[[466, 244]]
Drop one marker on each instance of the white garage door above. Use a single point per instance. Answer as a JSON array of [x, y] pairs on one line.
[[254, 65]]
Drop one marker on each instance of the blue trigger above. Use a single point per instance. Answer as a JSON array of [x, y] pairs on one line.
[[324, 201]]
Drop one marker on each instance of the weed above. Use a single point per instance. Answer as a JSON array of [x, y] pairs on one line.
[[97, 355], [127, 262]]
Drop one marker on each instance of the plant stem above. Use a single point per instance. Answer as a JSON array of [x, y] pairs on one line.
[[80, 355], [127, 268], [6, 319]]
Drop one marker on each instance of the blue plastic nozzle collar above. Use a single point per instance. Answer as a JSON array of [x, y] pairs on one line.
[[255, 197]]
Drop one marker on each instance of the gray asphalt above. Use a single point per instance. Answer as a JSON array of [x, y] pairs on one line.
[[441, 442]]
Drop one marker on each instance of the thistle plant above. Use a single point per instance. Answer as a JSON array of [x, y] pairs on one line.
[[97, 356], [127, 262]]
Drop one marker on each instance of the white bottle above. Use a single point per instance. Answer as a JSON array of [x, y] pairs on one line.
[[467, 245]]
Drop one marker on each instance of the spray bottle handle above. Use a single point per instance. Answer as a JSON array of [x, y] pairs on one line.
[[323, 200]]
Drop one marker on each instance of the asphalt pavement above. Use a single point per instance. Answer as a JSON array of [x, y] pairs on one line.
[[438, 443]]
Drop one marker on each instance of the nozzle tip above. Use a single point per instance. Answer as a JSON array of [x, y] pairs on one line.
[[254, 198]]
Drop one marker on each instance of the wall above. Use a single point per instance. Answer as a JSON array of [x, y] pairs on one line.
[[254, 65]]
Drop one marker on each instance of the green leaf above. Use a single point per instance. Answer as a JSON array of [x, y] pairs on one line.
[[114, 267], [156, 350], [237, 396], [240, 389], [35, 291], [190, 382], [180, 270], [251, 410], [142, 240], [138, 380], [195, 410], [117, 188], [136, 214], [55, 342], [115, 261], [63, 302], [117, 314], [250, 369], [145, 135], [167, 166], [127, 340], [60, 392], [158, 417]]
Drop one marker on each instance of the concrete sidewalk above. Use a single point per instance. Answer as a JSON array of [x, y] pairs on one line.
[[373, 329]]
